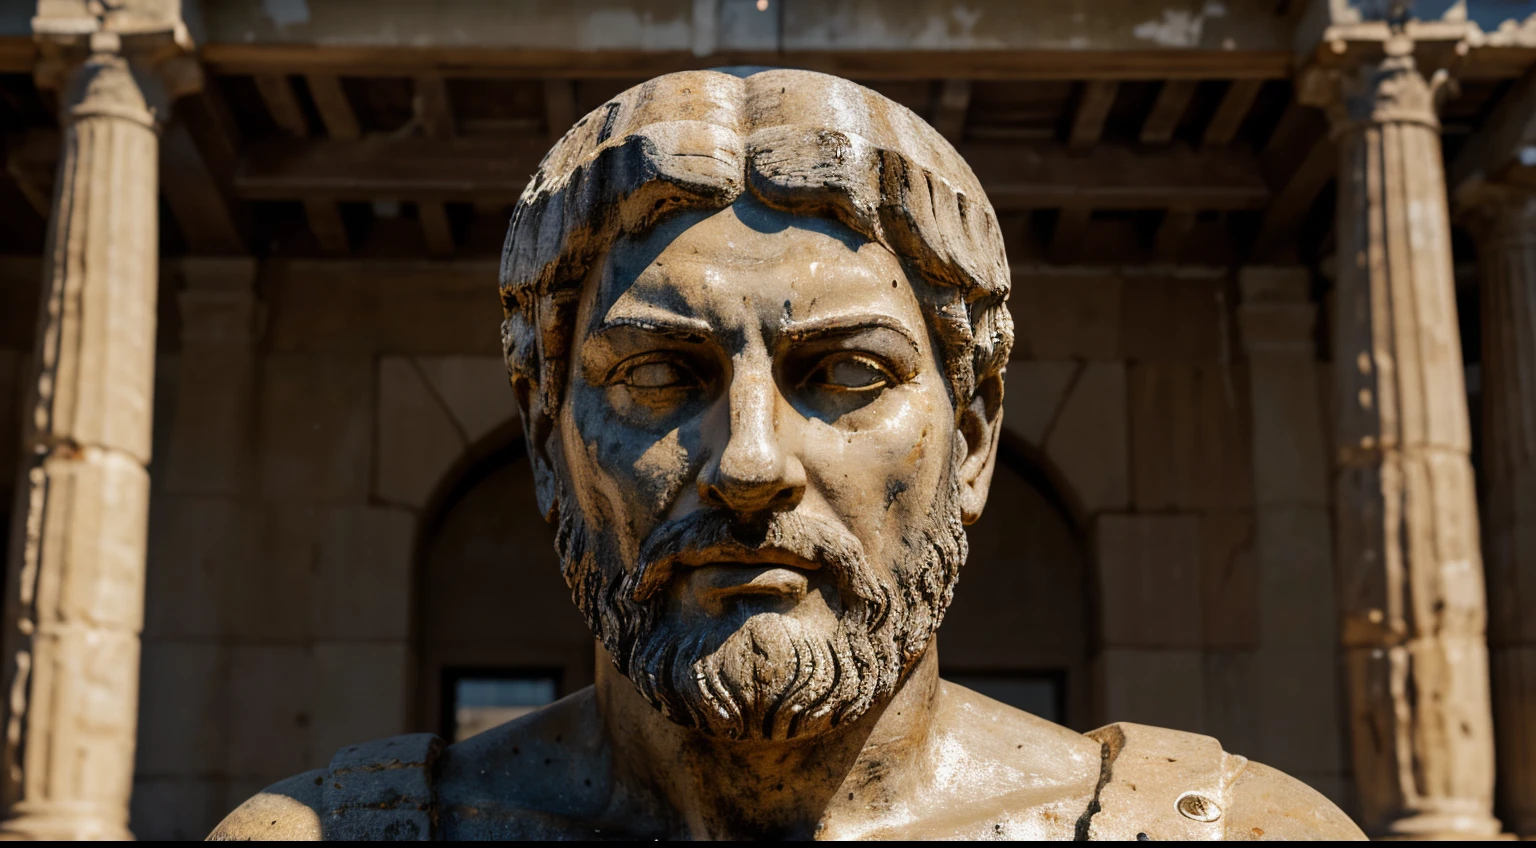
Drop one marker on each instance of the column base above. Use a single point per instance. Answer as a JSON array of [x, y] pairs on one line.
[[61, 825], [1444, 826]]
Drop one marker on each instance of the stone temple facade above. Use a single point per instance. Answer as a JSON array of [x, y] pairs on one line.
[[1268, 432]]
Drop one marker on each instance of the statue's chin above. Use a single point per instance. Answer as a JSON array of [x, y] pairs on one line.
[[775, 676]]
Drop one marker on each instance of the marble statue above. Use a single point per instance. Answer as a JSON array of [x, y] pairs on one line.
[[755, 321]]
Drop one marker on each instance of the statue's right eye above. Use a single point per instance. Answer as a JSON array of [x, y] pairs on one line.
[[658, 375]]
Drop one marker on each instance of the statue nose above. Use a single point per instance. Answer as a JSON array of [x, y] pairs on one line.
[[754, 471]]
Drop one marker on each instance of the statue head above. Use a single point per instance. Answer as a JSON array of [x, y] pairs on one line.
[[756, 327]]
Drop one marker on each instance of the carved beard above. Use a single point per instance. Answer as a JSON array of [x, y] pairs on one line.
[[769, 675]]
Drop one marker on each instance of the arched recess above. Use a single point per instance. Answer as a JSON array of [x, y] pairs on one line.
[[1022, 621], [490, 602]]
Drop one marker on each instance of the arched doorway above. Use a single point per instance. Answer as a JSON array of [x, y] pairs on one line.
[[497, 630], [498, 633]]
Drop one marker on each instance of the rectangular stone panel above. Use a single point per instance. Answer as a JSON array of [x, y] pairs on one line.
[[317, 428], [1229, 580], [418, 438], [1300, 711], [1232, 700], [362, 693], [201, 549], [1294, 546], [182, 700], [177, 808], [1164, 688], [1149, 581], [1087, 441], [1176, 319], [1290, 462], [1190, 437], [363, 584], [271, 712], [1067, 316]]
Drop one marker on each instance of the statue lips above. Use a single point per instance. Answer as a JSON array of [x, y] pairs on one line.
[[719, 575]]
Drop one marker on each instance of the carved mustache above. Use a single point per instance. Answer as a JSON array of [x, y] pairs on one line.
[[792, 539]]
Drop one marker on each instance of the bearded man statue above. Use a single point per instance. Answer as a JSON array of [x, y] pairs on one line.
[[755, 322]]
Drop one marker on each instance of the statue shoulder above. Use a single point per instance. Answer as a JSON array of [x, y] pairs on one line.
[[286, 811], [379, 790], [1166, 784]]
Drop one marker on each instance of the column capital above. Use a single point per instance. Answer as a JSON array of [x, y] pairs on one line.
[[1372, 73], [1498, 212], [131, 66]]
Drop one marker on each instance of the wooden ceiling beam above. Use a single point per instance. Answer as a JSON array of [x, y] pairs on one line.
[[904, 64], [950, 104], [334, 107], [434, 108], [1173, 234], [1172, 101], [491, 170], [1092, 109], [1293, 199], [328, 225], [277, 93], [1231, 113], [196, 197]]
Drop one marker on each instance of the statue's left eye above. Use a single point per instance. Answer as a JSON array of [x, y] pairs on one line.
[[851, 374], [657, 375]]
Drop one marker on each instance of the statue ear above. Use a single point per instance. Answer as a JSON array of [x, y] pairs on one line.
[[538, 434], [980, 423]]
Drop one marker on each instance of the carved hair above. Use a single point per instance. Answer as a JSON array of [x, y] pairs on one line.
[[800, 142]]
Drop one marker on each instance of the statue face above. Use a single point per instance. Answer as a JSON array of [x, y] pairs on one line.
[[760, 470]]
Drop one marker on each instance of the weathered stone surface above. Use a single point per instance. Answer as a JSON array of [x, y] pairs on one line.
[[1189, 436], [1514, 690], [1299, 708], [474, 389], [1290, 462], [360, 691], [267, 599], [387, 306], [317, 428], [1198, 307], [1297, 590], [363, 579], [199, 549], [1232, 701], [178, 808], [1149, 579], [1087, 444], [271, 701], [1067, 317], [213, 429], [1032, 399], [418, 438], [183, 694], [1164, 688], [1229, 580]]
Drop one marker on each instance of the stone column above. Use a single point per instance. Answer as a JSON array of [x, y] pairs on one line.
[[76, 568], [1410, 572], [1504, 221]]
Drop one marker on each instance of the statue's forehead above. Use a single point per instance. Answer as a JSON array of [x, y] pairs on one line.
[[747, 250]]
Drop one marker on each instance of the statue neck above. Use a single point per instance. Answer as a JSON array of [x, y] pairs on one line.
[[826, 786]]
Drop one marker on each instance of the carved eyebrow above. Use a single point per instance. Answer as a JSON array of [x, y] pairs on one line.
[[846, 324], [674, 327]]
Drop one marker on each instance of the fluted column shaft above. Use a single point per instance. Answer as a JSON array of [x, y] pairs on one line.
[[76, 570], [1506, 248], [1411, 579]]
